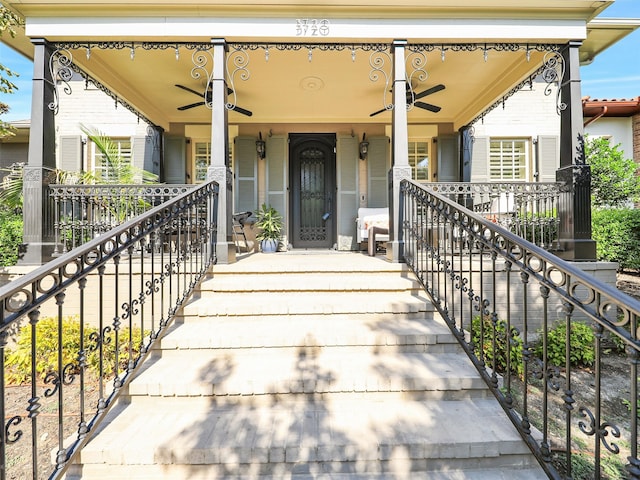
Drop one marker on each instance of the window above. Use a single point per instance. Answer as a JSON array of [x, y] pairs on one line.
[[508, 159], [202, 156], [202, 159], [419, 160], [118, 170]]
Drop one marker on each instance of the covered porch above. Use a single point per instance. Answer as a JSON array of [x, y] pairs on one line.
[[344, 102]]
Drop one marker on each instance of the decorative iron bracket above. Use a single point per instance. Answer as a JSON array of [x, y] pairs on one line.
[[60, 68]]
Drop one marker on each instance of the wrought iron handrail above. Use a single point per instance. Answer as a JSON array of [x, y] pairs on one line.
[[82, 212], [528, 209], [90, 317], [481, 278]]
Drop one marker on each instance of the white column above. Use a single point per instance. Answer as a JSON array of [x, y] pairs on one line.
[[219, 168], [399, 154]]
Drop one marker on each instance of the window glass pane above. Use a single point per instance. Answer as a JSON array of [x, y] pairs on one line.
[[508, 159], [419, 160], [117, 169], [202, 160]]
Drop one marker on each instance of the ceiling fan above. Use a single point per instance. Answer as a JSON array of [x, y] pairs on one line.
[[208, 98], [413, 97]]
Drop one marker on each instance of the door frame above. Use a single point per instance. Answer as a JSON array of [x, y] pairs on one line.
[[295, 141]]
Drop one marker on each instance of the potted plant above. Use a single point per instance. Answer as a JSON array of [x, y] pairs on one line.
[[269, 226]]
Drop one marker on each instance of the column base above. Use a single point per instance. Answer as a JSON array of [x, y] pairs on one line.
[[395, 251], [225, 253], [37, 254], [577, 250]]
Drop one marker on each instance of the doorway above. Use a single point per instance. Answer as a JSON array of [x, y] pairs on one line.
[[312, 173]]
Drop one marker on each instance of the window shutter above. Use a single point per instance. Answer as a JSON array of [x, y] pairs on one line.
[[245, 165], [348, 202], [142, 153], [174, 160], [480, 160], [70, 153], [448, 159], [378, 165], [548, 157], [276, 174]]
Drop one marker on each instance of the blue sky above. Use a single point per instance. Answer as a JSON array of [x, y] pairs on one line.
[[613, 74]]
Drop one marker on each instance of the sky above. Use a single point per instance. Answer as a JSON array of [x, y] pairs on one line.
[[614, 74]]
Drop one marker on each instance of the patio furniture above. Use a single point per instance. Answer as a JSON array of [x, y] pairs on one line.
[[372, 227]]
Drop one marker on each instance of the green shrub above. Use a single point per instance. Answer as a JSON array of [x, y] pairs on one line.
[[513, 344], [582, 345], [617, 236], [18, 359], [10, 237]]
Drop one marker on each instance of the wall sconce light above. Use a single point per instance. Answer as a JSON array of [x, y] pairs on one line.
[[363, 147], [261, 148]]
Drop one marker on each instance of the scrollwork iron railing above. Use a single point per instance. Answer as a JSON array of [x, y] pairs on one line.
[[528, 209], [503, 298], [74, 331], [83, 212]]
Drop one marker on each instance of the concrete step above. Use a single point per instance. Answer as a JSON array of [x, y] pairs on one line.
[[206, 472], [307, 303], [307, 438], [420, 331], [304, 282], [306, 370]]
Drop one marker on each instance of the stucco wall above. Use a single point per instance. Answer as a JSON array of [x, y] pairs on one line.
[[619, 129]]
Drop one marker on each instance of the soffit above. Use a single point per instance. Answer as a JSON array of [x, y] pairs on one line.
[[602, 33]]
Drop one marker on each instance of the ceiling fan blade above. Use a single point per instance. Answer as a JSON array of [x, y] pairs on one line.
[[378, 112], [187, 107], [241, 110], [429, 91], [428, 106], [189, 90]]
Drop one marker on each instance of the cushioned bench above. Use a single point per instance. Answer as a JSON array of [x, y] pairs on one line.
[[372, 227]]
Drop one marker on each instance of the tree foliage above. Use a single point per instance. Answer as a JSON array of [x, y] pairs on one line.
[[9, 21], [614, 181]]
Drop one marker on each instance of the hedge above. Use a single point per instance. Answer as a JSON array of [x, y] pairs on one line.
[[617, 233]]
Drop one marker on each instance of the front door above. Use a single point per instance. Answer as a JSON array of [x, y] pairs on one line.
[[312, 163]]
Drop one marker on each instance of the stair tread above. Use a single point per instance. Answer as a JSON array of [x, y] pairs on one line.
[[308, 370], [310, 263], [298, 303], [324, 281], [322, 431], [259, 331], [204, 472]]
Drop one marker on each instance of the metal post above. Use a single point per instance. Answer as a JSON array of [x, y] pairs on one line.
[[400, 168], [574, 209], [219, 169], [38, 231]]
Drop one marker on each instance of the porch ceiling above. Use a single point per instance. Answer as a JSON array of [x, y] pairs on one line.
[[328, 88], [307, 86]]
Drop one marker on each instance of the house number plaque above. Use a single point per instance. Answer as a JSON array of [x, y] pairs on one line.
[[312, 27]]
